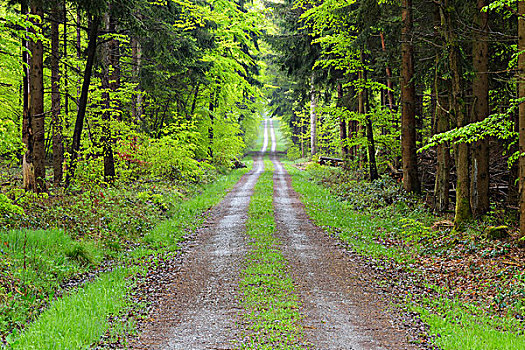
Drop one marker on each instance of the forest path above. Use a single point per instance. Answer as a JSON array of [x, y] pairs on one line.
[[200, 307]]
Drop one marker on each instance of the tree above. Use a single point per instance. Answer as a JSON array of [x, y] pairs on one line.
[[35, 171], [58, 146], [408, 102], [480, 87], [521, 117]]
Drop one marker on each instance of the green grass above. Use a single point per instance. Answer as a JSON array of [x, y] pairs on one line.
[[457, 325], [33, 264], [80, 319], [267, 291]]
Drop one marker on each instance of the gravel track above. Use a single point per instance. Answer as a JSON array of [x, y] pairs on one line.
[[199, 308]]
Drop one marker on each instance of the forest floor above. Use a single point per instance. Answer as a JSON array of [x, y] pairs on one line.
[[210, 300]]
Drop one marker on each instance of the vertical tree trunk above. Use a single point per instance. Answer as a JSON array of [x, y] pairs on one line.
[[372, 166], [36, 106], [480, 86], [27, 135], [82, 105], [463, 209], [58, 147], [343, 134], [66, 78], [108, 84], [442, 182], [521, 94], [313, 117], [79, 55], [136, 53], [408, 102]]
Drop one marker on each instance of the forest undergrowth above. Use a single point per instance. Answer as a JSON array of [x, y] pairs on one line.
[[63, 250], [469, 287]]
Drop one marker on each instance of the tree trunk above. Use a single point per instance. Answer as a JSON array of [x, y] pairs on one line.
[[27, 135], [109, 83], [463, 209], [442, 182], [58, 146], [408, 102], [136, 54], [343, 134], [480, 86], [82, 105], [313, 117], [372, 166], [389, 83], [521, 95], [36, 107]]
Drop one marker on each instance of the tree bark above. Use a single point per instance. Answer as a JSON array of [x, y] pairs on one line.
[[372, 166], [36, 107], [313, 117], [463, 209], [343, 134], [389, 83], [110, 81], [521, 117], [58, 146], [442, 182], [82, 105], [480, 87], [411, 181], [27, 135], [136, 53]]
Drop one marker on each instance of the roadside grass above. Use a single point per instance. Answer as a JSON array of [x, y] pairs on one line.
[[455, 325], [79, 319], [35, 263], [377, 224], [267, 291]]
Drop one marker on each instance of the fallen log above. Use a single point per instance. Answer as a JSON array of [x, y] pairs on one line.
[[330, 161]]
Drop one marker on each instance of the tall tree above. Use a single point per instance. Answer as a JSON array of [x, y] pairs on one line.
[[58, 147], [480, 87], [411, 181], [521, 117], [83, 100], [36, 105], [463, 209], [313, 116], [27, 135]]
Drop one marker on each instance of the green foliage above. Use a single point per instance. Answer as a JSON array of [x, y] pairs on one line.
[[7, 207]]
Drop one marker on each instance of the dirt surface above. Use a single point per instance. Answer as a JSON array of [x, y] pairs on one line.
[[199, 307], [342, 308]]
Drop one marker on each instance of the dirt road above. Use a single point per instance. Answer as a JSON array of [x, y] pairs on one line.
[[199, 308]]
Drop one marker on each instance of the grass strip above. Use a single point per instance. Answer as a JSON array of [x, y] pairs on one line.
[[453, 325], [77, 320], [267, 291]]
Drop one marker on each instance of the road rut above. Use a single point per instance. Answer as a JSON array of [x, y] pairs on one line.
[[200, 309]]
